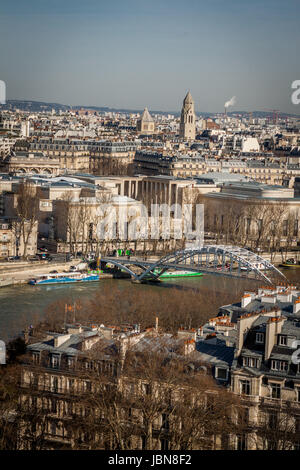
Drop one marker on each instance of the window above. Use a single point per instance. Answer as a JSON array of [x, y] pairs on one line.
[[53, 407], [298, 394], [259, 338], [36, 357], [221, 373], [245, 387], [259, 225], [53, 429], [55, 362], [55, 384], [241, 442], [273, 420], [146, 389], [250, 362], [71, 362], [282, 340], [87, 386], [71, 384], [279, 365], [275, 390]]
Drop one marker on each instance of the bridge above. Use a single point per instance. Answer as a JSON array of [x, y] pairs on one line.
[[214, 259]]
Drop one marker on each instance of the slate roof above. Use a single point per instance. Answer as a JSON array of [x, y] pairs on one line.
[[214, 354]]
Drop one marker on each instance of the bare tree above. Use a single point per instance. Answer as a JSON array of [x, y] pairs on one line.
[[27, 213]]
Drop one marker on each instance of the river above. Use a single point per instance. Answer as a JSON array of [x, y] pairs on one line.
[[23, 305]]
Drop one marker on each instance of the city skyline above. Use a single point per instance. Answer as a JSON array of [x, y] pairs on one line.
[[75, 54]]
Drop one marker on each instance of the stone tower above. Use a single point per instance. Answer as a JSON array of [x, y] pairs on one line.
[[188, 118], [145, 125]]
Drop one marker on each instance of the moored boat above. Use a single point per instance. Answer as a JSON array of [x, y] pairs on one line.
[[63, 278], [290, 264], [182, 273]]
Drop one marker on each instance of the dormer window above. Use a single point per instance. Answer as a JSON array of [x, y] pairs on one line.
[[55, 362], [250, 362], [221, 373], [279, 365], [71, 362], [282, 341], [36, 357], [259, 338]]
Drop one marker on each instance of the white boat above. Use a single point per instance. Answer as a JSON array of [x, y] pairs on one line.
[[63, 278], [260, 266]]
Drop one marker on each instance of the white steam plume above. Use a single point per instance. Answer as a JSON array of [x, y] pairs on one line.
[[231, 102]]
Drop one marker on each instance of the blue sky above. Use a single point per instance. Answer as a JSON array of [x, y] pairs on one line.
[[131, 54]]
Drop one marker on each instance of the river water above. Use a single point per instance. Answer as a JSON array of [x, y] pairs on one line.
[[23, 305]]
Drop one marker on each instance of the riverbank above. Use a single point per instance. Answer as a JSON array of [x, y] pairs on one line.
[[22, 272]]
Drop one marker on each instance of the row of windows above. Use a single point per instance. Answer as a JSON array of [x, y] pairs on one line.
[[245, 389]]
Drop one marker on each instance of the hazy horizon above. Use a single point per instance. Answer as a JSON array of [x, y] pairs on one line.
[[133, 54]]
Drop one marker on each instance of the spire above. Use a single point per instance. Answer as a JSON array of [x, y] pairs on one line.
[[146, 117], [188, 98]]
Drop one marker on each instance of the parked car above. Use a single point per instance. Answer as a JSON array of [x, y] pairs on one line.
[[73, 268], [53, 272], [13, 258]]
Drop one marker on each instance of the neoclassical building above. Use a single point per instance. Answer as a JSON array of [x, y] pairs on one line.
[[188, 118], [30, 163]]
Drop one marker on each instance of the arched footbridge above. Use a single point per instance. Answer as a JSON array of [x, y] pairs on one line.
[[215, 259]]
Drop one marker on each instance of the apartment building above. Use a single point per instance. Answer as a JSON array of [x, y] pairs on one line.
[[262, 334], [250, 349], [72, 154], [181, 164], [83, 389], [11, 239], [85, 154]]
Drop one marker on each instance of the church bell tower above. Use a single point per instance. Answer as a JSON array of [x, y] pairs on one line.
[[188, 118]]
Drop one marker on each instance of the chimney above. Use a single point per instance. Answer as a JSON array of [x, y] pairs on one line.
[[246, 300], [243, 325], [156, 324], [296, 306], [60, 339], [189, 346], [273, 328]]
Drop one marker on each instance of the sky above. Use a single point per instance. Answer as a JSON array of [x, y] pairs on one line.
[[137, 53]]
